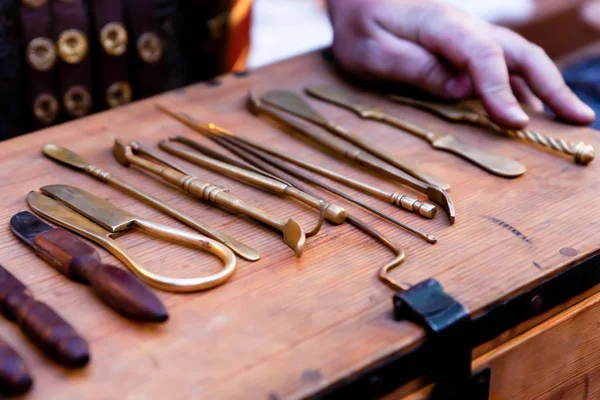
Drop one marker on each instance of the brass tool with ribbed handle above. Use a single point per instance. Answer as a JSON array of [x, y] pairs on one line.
[[67, 157], [296, 105], [582, 153], [293, 234], [334, 213], [495, 164]]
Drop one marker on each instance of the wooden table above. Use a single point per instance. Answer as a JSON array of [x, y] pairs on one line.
[[285, 327]]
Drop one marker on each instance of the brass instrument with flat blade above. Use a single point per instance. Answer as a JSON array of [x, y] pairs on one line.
[[99, 221], [67, 157], [498, 165]]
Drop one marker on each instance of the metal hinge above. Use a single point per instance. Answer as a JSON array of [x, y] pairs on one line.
[[448, 324]]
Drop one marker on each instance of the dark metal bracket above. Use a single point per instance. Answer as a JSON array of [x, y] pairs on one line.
[[392, 372], [448, 325]]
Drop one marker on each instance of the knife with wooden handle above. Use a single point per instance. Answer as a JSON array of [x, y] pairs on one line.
[[41, 324], [14, 376], [80, 262], [497, 165]]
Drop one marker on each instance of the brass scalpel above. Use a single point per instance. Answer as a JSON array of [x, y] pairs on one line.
[[99, 220], [253, 155], [67, 157], [434, 193], [335, 214], [293, 234], [296, 105], [582, 153], [498, 165]]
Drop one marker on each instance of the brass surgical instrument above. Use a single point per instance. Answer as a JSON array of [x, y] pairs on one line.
[[384, 271], [98, 220], [337, 214], [296, 105], [67, 157], [498, 165], [582, 153], [293, 235], [262, 166], [434, 193], [407, 203], [253, 154]]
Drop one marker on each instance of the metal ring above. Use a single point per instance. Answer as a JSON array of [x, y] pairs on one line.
[[118, 93], [45, 108], [72, 46], [149, 47], [41, 53], [114, 39], [77, 101]]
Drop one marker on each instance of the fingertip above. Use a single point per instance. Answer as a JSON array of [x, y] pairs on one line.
[[584, 114]]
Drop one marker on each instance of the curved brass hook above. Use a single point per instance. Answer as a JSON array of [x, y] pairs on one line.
[[317, 228], [384, 272]]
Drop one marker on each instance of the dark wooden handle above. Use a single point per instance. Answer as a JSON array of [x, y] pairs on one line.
[[47, 330], [14, 376], [117, 288]]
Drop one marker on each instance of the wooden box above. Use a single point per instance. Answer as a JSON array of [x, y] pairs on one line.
[[521, 258]]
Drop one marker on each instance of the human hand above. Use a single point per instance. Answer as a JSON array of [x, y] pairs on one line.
[[448, 53]]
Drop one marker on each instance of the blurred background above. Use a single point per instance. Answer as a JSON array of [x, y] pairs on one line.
[[284, 28]]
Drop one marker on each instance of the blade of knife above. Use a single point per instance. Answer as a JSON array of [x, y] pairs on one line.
[[295, 105], [64, 216], [64, 156], [98, 210], [26, 226]]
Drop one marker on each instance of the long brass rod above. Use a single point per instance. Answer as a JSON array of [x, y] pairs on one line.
[[222, 157], [293, 234], [279, 164], [333, 212], [405, 202]]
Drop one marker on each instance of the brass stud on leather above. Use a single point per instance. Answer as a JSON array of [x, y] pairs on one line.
[[118, 93], [41, 53], [113, 38], [77, 101], [45, 108], [72, 46], [149, 47]]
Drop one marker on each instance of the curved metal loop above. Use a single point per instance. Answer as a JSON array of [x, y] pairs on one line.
[[317, 228]]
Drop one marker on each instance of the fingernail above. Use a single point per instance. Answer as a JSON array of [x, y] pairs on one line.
[[458, 87], [517, 115], [587, 112]]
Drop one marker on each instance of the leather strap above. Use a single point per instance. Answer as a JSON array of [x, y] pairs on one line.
[[147, 45], [114, 40], [40, 53], [71, 32]]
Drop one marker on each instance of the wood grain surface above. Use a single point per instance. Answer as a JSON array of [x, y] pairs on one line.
[[285, 327]]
